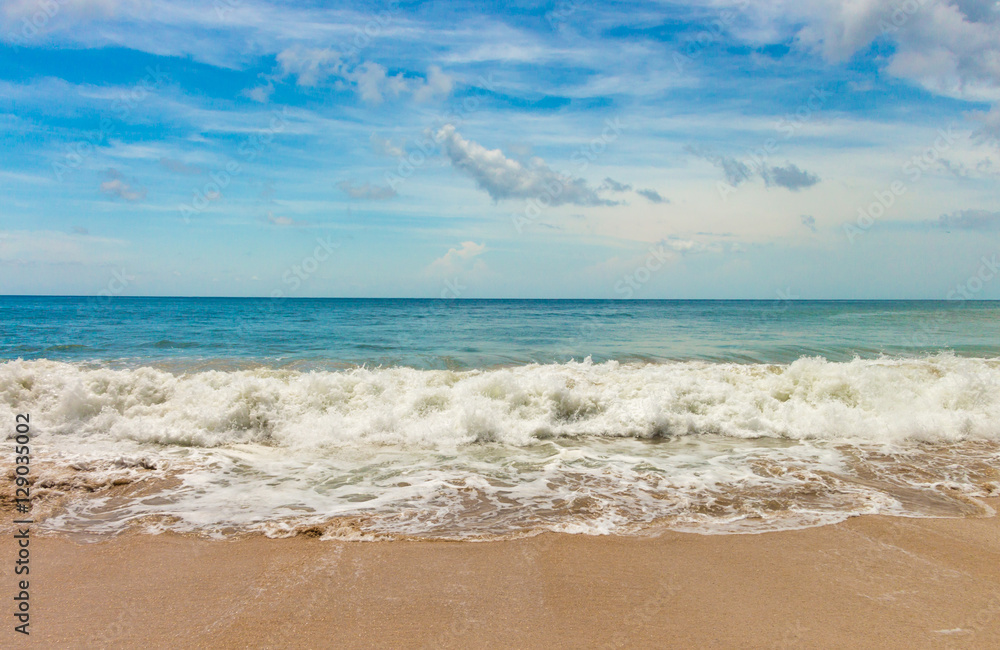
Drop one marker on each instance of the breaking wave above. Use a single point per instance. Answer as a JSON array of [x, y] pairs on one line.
[[579, 447]]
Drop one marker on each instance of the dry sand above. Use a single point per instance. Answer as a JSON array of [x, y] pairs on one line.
[[868, 582]]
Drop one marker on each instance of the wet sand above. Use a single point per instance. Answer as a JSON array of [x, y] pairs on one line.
[[867, 582]]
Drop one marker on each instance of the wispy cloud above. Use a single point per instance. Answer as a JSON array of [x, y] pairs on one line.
[[279, 220], [179, 167], [652, 196], [737, 172], [970, 220], [386, 147], [50, 247], [366, 191]]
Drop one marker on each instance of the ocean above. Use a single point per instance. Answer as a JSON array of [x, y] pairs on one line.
[[480, 419]]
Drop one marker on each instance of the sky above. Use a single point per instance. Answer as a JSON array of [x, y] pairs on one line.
[[571, 149]]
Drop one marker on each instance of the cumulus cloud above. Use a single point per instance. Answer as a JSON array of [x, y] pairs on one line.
[[789, 177], [366, 191], [950, 47], [736, 172], [652, 195], [385, 147], [808, 221], [503, 178], [179, 167], [371, 80], [970, 220], [460, 260], [116, 185], [373, 83]]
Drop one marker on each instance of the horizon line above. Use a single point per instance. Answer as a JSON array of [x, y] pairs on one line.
[[459, 299]]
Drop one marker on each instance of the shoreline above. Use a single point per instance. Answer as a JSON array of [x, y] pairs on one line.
[[874, 581]]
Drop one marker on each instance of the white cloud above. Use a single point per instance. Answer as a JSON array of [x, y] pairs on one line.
[[279, 220], [310, 66], [373, 83], [437, 85], [949, 47], [17, 10], [459, 260], [503, 178], [260, 94], [314, 66], [989, 133], [385, 147]]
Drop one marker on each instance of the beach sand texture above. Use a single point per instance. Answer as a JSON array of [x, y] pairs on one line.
[[872, 581]]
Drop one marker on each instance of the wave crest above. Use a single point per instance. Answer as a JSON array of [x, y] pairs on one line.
[[935, 399]]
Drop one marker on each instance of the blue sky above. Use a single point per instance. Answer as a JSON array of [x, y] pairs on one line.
[[811, 149]]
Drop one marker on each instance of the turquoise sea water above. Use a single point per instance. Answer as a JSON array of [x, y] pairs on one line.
[[335, 333]]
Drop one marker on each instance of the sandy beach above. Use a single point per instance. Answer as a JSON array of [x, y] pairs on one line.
[[867, 582]]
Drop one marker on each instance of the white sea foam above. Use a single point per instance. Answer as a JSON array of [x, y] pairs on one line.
[[579, 447]]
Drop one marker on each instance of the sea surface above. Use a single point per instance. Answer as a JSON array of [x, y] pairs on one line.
[[478, 419]]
